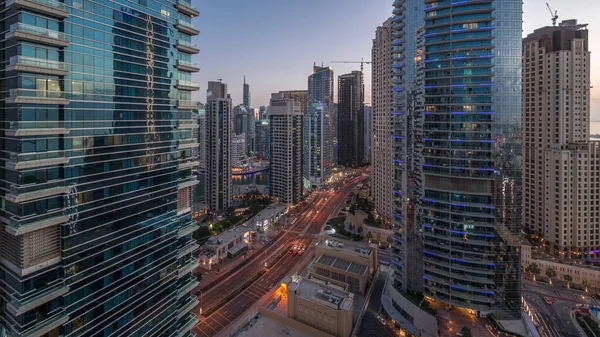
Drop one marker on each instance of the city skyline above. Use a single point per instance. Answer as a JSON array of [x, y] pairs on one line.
[[264, 59]]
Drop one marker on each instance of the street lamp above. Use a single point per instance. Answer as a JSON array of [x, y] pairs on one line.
[[201, 302]]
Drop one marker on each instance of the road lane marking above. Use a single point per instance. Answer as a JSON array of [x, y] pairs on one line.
[[225, 318], [202, 331]]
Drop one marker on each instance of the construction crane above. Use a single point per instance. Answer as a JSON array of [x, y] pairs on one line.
[[553, 13], [362, 62]]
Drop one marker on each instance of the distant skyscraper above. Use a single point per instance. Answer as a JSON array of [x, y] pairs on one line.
[[219, 130], [351, 119], [318, 146], [334, 131], [381, 130], [247, 98], [262, 112], [367, 131], [300, 96], [240, 119], [457, 141], [201, 133], [559, 160], [238, 150], [96, 228], [285, 120], [261, 141]]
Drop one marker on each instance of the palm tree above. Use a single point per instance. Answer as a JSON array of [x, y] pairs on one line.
[[534, 269], [586, 284], [550, 272], [568, 278]]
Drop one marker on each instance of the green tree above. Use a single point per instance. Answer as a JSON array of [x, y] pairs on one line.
[[550, 272], [586, 284], [534, 269], [568, 278], [466, 332]]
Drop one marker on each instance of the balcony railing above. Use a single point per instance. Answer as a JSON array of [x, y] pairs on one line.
[[36, 62], [187, 47], [36, 125], [187, 27], [187, 104], [30, 29], [49, 7], [20, 189], [186, 7], [187, 66], [50, 94], [186, 24]]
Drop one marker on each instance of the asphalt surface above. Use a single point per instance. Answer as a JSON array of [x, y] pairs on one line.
[[302, 232], [370, 326], [554, 318]]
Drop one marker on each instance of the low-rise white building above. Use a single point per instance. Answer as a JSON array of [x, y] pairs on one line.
[[228, 244], [268, 217]]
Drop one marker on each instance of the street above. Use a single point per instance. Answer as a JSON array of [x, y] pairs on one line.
[[554, 318], [370, 326], [302, 232]]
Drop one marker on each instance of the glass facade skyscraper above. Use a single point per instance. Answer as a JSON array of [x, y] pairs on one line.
[[318, 127], [457, 158], [97, 147]]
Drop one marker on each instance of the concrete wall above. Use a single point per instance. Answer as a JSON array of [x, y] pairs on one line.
[[292, 323]]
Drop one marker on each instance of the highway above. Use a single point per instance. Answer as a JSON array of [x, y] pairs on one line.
[[302, 232]]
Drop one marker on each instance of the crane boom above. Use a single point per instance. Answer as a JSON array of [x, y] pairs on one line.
[[553, 14], [362, 62]]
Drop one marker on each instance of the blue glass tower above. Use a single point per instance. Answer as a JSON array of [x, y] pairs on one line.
[[96, 171], [459, 197]]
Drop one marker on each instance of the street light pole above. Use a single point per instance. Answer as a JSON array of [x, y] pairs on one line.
[[201, 292]]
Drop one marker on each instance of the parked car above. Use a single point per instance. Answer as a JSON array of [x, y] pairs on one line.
[[381, 320]]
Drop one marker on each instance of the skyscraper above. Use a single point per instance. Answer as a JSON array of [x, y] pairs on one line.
[[457, 134], [96, 222], [285, 120], [318, 146], [238, 150], [246, 93], [368, 118], [559, 160], [382, 99], [261, 140], [219, 132], [351, 135], [300, 96]]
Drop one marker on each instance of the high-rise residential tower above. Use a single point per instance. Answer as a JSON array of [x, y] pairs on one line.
[[457, 152], [261, 140], [246, 94], [238, 150], [381, 131], [96, 171], [285, 121], [559, 160], [318, 146], [351, 119], [368, 118], [300, 96], [219, 132]]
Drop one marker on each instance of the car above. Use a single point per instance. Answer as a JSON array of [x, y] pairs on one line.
[[548, 300], [290, 252], [596, 296], [294, 253], [381, 320]]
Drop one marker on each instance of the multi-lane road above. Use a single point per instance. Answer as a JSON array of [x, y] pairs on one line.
[[302, 232]]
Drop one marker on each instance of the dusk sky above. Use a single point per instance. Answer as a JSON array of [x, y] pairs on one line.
[[275, 42]]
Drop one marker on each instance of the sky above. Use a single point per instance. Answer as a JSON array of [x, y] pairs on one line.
[[274, 43]]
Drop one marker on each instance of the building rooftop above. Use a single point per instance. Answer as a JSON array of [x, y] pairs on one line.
[[363, 251], [227, 236], [322, 294], [270, 211], [341, 264]]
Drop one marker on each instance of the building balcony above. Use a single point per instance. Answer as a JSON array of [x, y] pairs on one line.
[[187, 326], [19, 307], [187, 249], [187, 144], [187, 164], [20, 161], [187, 269], [185, 104], [37, 66], [189, 181], [188, 307], [32, 96], [19, 226], [187, 27], [51, 8], [24, 32], [187, 47], [187, 85], [44, 327], [20, 194], [36, 128], [187, 288], [187, 230], [186, 124], [187, 8], [190, 67]]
